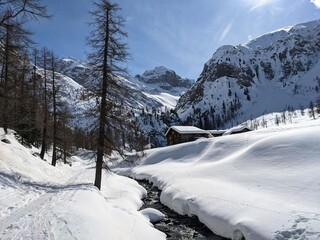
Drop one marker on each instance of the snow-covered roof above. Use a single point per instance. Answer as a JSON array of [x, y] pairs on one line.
[[187, 130], [236, 130], [217, 131]]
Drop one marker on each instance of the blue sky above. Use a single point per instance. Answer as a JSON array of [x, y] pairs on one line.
[[178, 34]]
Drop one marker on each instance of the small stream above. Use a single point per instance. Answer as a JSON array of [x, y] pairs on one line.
[[175, 226]]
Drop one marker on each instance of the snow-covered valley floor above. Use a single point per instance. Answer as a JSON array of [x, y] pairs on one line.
[[38, 201], [263, 184]]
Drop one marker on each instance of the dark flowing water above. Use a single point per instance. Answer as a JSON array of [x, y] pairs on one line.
[[174, 225]]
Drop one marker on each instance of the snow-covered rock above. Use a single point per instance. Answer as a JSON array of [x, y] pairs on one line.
[[153, 215]]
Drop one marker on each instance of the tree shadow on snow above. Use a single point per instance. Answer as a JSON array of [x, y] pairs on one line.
[[18, 182]]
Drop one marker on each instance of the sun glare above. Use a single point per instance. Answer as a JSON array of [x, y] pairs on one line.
[[316, 2]]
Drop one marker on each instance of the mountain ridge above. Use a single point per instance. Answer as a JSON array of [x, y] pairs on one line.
[[274, 72], [147, 99], [270, 73]]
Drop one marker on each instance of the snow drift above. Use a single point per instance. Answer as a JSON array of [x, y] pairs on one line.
[[39, 201], [263, 184]]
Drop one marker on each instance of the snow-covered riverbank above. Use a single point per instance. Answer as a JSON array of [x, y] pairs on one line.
[[263, 184], [173, 224]]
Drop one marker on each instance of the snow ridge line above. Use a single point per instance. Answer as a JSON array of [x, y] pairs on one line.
[[316, 215]]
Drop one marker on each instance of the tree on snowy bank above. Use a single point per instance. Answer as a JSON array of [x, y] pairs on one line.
[[16, 93], [109, 53], [30, 103]]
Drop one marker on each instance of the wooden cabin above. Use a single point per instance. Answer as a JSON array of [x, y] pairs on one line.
[[181, 134]]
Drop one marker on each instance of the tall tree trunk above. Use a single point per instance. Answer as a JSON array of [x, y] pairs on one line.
[[54, 148], [109, 52], [35, 136], [45, 117], [103, 112], [64, 154], [6, 80]]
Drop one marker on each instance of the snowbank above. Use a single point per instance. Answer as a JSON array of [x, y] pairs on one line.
[[38, 201], [263, 184]]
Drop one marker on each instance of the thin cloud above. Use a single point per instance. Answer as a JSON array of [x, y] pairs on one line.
[[226, 31], [259, 4], [316, 3]]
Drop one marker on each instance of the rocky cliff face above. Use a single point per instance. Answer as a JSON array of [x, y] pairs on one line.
[[275, 71], [162, 79], [78, 70]]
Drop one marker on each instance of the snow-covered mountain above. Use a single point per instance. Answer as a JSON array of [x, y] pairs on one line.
[[272, 73], [158, 88], [278, 70], [78, 70], [162, 79], [148, 97]]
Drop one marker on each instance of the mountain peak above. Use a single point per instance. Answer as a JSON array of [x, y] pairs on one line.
[[164, 78], [270, 73], [157, 71], [306, 29]]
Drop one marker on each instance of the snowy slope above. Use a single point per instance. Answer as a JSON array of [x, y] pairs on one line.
[[161, 85], [158, 88], [38, 201], [134, 96], [263, 184], [74, 96], [78, 70], [275, 71], [154, 92]]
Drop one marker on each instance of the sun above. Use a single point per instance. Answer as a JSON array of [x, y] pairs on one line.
[[316, 2]]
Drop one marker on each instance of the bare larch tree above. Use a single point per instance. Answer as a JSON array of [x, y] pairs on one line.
[[109, 53], [22, 9]]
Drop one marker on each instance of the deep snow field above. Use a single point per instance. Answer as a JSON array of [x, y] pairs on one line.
[[38, 201], [263, 184]]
